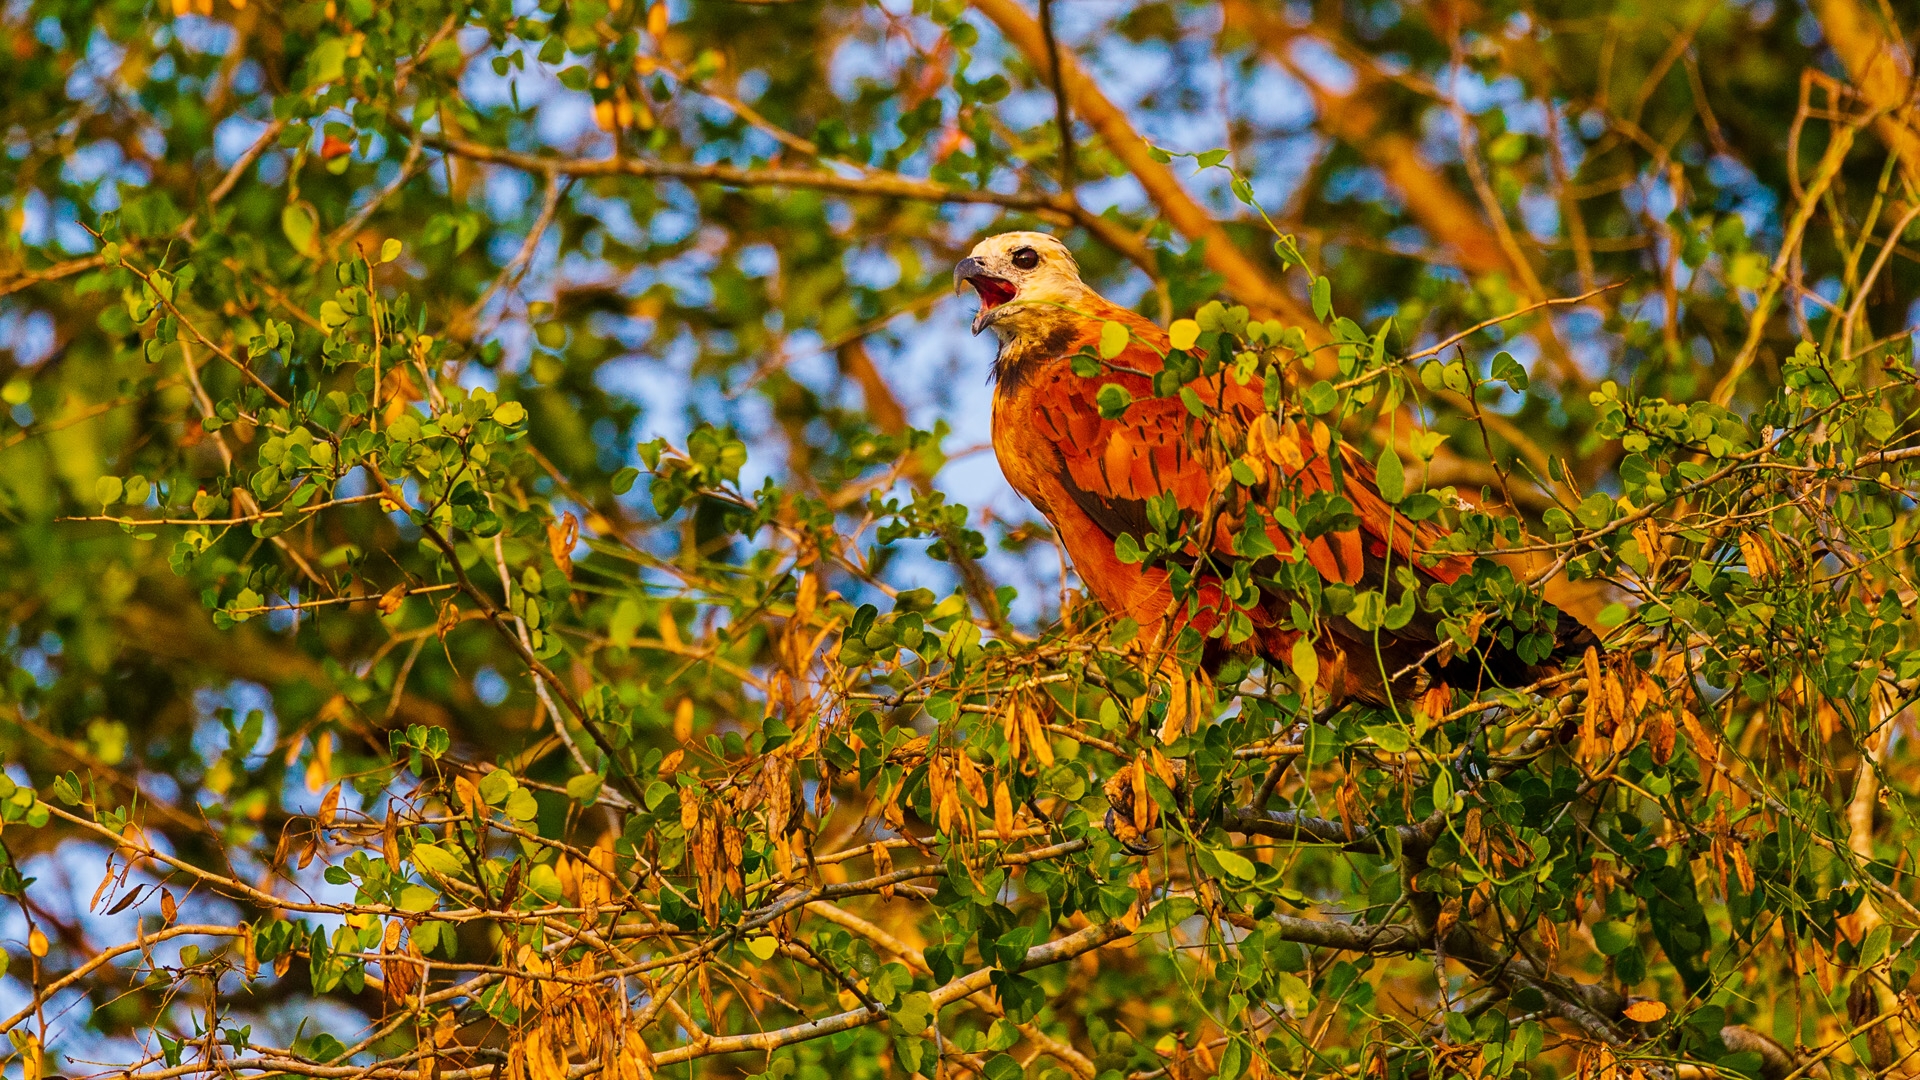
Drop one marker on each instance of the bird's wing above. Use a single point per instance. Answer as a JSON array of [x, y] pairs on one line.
[[1112, 466]]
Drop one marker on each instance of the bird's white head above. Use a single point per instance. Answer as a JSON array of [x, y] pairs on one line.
[[1025, 280]]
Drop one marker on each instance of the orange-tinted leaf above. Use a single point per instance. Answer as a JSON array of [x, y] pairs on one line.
[[1646, 1012]]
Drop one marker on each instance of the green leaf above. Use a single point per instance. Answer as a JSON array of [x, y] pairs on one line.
[[246, 599], [521, 805], [1321, 398], [1596, 510], [1369, 611], [108, 489], [1322, 298], [1875, 948], [417, 898], [497, 785], [1508, 370], [1113, 339], [1401, 613], [623, 480], [405, 428], [509, 414], [585, 788], [1612, 938], [1168, 914], [915, 1012], [1389, 737], [625, 623], [1252, 540], [439, 860], [390, 249], [1388, 475], [1003, 1067], [1292, 990], [1879, 423], [67, 789], [543, 882], [327, 62], [1235, 864], [1113, 400], [301, 227], [1233, 1060], [325, 1048], [1748, 270], [1193, 403]]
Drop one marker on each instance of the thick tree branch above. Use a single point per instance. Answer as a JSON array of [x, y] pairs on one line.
[[1881, 69], [1061, 207]]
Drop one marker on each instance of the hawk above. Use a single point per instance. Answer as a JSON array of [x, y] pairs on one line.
[[1099, 477]]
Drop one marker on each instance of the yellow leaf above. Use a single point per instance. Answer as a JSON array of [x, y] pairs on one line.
[[1036, 735], [1759, 560], [1183, 333], [391, 600], [970, 778], [1306, 663], [1284, 450], [806, 598], [37, 943], [1141, 807], [320, 768], [1646, 1012]]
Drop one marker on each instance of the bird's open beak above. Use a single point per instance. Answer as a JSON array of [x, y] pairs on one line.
[[993, 291]]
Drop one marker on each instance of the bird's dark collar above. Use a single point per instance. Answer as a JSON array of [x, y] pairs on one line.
[[1023, 354]]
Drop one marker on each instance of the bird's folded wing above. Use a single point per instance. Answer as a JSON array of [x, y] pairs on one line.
[[1111, 467]]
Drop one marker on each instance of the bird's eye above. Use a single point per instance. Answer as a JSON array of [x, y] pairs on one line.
[[1026, 259]]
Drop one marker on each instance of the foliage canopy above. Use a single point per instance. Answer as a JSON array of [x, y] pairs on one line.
[[480, 562]]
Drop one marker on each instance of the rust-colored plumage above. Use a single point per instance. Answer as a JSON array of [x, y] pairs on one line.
[[1092, 476]]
